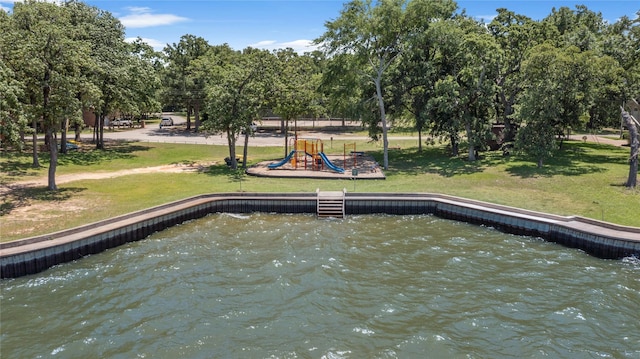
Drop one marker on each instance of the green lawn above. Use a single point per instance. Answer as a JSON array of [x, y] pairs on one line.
[[584, 179]]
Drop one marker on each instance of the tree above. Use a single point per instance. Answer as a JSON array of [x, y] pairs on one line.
[[143, 76], [463, 95], [183, 85], [295, 89], [12, 122], [608, 92], [536, 139], [515, 34], [621, 41], [605, 49], [560, 81], [412, 80], [235, 91], [580, 27], [556, 94], [48, 59], [477, 86], [444, 111], [374, 35]]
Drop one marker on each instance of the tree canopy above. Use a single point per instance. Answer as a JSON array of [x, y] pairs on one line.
[[387, 62]]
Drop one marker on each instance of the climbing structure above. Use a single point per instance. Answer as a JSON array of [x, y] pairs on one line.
[[307, 154]]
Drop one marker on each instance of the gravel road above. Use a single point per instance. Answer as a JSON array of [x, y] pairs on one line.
[[178, 134]]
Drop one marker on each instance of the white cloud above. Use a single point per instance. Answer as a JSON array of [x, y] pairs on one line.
[[156, 44], [299, 46], [485, 18], [144, 17], [263, 44]]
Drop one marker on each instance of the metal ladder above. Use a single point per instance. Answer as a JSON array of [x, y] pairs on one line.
[[331, 204]]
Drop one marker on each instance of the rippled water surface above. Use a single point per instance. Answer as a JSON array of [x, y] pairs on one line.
[[273, 286]]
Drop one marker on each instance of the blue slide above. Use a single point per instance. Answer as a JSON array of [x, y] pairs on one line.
[[329, 164], [285, 160]]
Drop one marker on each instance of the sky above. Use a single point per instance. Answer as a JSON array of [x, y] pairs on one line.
[[277, 24]]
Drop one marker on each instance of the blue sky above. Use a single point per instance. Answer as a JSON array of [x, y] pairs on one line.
[[287, 23]]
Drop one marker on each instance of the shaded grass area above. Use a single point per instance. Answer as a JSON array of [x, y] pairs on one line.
[[583, 179]]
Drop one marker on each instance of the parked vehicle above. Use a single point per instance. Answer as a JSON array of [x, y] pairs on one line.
[[166, 121], [121, 122]]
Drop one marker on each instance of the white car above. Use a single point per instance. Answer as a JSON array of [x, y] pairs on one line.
[[166, 121], [121, 122]]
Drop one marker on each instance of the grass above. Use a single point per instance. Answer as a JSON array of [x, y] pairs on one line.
[[583, 179]]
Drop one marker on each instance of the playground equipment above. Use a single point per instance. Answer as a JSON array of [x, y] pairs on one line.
[[353, 154], [308, 152]]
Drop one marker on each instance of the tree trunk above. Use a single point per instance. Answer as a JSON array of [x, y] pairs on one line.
[[188, 117], [196, 114], [36, 161], [232, 150], [286, 138], [53, 161], [383, 119], [632, 180], [78, 130], [420, 140], [100, 141], [454, 146], [63, 135], [95, 132], [245, 150], [509, 129], [472, 149]]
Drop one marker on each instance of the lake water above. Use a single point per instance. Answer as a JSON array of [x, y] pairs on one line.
[[293, 286]]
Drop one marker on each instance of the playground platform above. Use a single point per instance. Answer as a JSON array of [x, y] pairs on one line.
[[366, 168]]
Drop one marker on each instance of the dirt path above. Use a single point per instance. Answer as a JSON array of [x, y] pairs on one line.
[[598, 139], [42, 181], [26, 216]]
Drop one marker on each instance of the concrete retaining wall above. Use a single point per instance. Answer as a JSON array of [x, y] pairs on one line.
[[33, 255]]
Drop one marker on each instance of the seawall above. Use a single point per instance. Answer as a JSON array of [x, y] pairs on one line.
[[36, 254]]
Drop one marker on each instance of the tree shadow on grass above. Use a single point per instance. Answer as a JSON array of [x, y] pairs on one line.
[[219, 170], [120, 150], [19, 164], [575, 159], [23, 196], [434, 160], [16, 164]]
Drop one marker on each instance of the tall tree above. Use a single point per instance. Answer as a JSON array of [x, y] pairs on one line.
[[104, 76], [183, 85], [464, 93], [12, 122], [515, 34], [144, 82], [295, 89], [373, 33], [557, 93], [477, 86], [50, 60], [376, 34], [235, 92], [412, 80], [621, 42]]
